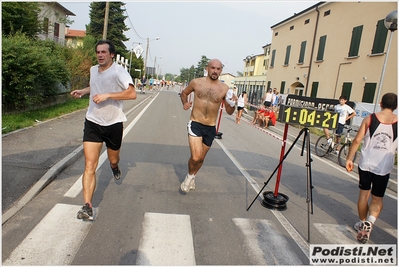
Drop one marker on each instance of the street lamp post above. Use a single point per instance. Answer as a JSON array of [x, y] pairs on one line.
[[391, 23], [146, 54]]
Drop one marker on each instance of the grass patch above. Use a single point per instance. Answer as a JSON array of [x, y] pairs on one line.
[[13, 122]]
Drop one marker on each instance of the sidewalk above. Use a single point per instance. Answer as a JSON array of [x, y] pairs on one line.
[[293, 132]]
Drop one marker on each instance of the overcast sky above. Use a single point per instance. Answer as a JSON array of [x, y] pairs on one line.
[[227, 30]]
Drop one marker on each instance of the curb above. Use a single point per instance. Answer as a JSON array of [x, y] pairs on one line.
[[43, 182]]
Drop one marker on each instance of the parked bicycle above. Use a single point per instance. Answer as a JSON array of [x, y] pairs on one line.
[[325, 146]]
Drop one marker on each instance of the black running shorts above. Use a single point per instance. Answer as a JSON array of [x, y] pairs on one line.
[[207, 133], [379, 183], [111, 135]]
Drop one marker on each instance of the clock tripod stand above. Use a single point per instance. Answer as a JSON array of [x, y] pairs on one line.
[[277, 200]]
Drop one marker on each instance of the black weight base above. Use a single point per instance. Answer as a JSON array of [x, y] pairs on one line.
[[275, 203], [218, 135]]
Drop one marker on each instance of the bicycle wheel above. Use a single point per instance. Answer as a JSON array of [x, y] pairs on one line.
[[321, 147], [343, 153]]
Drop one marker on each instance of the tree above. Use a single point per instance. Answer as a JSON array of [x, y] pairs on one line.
[[194, 72], [20, 17], [199, 72], [116, 25]]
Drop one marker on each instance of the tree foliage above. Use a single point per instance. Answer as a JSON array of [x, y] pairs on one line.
[[80, 60], [187, 74], [31, 69], [20, 17], [199, 71], [116, 24]]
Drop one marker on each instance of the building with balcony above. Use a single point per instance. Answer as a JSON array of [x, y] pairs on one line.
[[254, 76], [54, 17]]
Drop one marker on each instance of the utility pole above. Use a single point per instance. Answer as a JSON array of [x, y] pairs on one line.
[[154, 72], [106, 21], [146, 56]]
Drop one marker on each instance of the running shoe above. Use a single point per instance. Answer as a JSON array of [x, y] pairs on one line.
[[364, 232], [116, 172], [329, 141], [187, 184], [192, 184], [357, 226], [86, 213]]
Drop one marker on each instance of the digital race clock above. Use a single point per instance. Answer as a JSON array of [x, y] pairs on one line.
[[308, 117]]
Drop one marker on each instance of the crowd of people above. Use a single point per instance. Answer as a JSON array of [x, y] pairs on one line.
[[266, 113]]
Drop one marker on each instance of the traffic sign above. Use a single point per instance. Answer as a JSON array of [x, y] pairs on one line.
[[138, 50]]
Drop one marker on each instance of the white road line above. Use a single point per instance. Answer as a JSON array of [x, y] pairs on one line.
[[303, 245], [392, 232], [337, 233], [266, 245], [77, 186], [54, 241], [166, 240]]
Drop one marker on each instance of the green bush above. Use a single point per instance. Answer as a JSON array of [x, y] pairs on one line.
[[30, 70], [79, 62]]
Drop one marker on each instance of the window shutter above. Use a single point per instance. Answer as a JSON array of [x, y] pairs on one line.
[[380, 38], [315, 87], [355, 42], [273, 57], [287, 55], [302, 52], [322, 45]]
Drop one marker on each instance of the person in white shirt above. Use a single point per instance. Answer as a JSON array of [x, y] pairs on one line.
[[268, 98], [110, 83], [345, 112], [241, 103]]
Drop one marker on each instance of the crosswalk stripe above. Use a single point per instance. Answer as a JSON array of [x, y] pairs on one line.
[[265, 243], [166, 240], [54, 240], [391, 231], [337, 233]]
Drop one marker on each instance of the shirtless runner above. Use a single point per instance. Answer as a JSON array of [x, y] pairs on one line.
[[209, 93]]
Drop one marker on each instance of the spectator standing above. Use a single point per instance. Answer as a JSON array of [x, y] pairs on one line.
[[268, 98], [241, 103], [276, 101]]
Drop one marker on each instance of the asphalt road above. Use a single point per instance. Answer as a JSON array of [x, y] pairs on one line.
[[145, 219]]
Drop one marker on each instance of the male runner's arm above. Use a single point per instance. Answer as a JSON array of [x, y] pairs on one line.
[[127, 94], [356, 143], [184, 96], [80, 93]]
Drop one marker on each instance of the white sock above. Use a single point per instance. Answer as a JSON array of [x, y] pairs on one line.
[[191, 176], [371, 219]]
